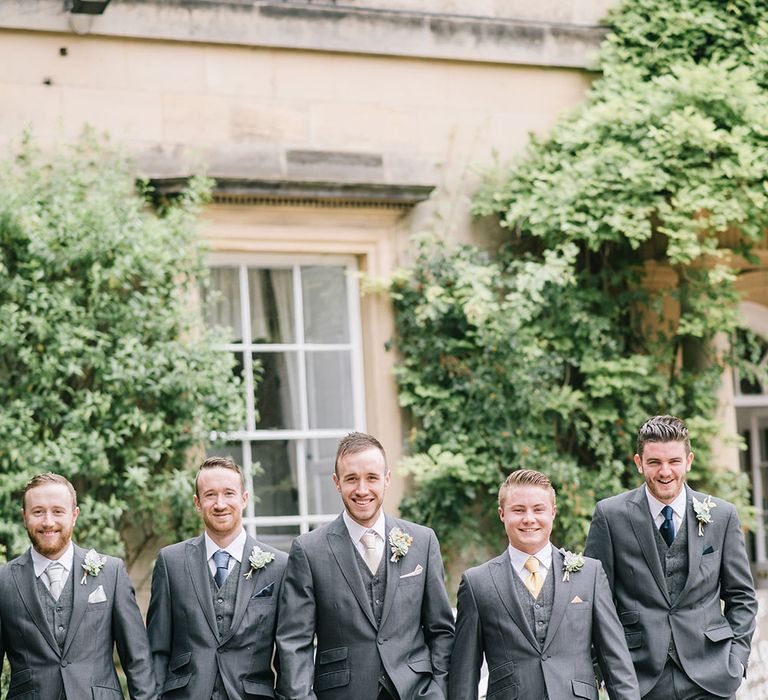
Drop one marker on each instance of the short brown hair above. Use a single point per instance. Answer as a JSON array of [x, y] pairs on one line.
[[219, 463], [356, 442], [48, 478], [525, 477], [663, 429]]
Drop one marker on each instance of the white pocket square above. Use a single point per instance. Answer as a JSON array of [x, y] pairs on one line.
[[415, 572], [97, 596]]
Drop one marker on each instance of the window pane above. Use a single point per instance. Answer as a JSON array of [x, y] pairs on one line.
[[324, 293], [232, 450], [279, 537], [275, 491], [222, 302], [323, 496], [329, 389], [271, 300], [277, 394]]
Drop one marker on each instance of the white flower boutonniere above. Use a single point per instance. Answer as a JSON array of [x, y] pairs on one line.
[[572, 562], [92, 564], [702, 509], [399, 543], [258, 560]]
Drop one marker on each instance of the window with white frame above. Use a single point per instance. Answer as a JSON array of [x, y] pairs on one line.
[[294, 326]]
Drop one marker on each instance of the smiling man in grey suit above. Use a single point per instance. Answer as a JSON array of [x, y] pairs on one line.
[[213, 607], [535, 612], [679, 572], [370, 587], [63, 609]]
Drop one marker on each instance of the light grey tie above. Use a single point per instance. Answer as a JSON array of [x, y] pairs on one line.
[[54, 572], [372, 557]]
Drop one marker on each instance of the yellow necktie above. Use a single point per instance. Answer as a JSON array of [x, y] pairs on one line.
[[535, 581]]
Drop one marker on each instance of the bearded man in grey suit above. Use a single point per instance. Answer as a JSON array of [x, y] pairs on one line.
[[370, 587], [63, 609], [535, 613], [678, 568], [213, 608]]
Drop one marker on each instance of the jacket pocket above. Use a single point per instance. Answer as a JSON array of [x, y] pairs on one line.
[[330, 656], [719, 633], [582, 689], [629, 617], [334, 679], [259, 688], [176, 682], [501, 672], [179, 660], [100, 692], [20, 678], [420, 665], [634, 639]]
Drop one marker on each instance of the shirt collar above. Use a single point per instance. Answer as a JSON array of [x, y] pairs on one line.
[[678, 505], [235, 547], [41, 562], [356, 530], [518, 558]]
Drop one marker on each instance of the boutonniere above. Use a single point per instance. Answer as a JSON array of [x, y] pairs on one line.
[[258, 560], [702, 509], [399, 543], [572, 562], [92, 564]]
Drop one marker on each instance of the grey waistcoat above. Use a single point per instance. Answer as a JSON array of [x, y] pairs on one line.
[[58, 612], [674, 564], [224, 606], [375, 587], [537, 610]]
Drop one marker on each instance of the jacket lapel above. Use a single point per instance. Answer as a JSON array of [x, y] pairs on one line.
[[23, 572], [199, 574], [642, 525], [341, 547], [245, 587], [393, 571], [560, 602], [695, 543], [80, 596], [501, 574]]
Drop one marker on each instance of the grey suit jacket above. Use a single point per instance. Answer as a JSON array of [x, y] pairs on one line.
[[492, 623], [186, 649], [84, 668], [324, 595], [711, 644]]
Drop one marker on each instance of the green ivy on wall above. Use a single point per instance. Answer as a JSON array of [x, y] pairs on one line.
[[614, 279], [106, 375]]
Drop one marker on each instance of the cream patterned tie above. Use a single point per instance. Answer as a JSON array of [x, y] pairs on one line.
[[534, 582], [372, 557], [54, 572]]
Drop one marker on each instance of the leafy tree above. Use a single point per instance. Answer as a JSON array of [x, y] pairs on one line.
[[615, 277], [106, 375]]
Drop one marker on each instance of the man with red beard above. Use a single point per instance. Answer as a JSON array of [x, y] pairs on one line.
[[63, 609]]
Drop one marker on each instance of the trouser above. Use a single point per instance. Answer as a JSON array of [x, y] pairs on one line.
[[674, 684]]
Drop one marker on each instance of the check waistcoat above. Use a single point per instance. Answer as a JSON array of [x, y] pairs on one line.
[[58, 612], [224, 606], [375, 587], [674, 564], [537, 610]]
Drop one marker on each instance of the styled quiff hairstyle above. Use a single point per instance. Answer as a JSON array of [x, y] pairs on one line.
[[220, 463], [525, 477], [353, 443], [662, 429], [48, 478]]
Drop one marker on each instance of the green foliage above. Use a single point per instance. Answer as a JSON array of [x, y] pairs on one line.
[[106, 375], [601, 308]]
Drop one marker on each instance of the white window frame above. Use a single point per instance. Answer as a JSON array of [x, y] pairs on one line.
[[243, 261]]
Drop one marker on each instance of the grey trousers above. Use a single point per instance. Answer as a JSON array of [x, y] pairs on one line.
[[674, 684]]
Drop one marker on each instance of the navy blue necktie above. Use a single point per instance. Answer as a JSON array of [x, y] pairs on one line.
[[667, 528], [221, 559]]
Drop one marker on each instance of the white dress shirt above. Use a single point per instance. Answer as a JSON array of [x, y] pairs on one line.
[[356, 531], [678, 508], [41, 563], [518, 559], [234, 548]]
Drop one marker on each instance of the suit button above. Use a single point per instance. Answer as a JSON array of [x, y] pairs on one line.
[[380, 641], [219, 618], [64, 664], [220, 600], [61, 627]]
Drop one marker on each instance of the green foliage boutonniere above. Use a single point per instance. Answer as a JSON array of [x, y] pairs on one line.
[[258, 560], [399, 543], [572, 562], [702, 509], [92, 564]]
